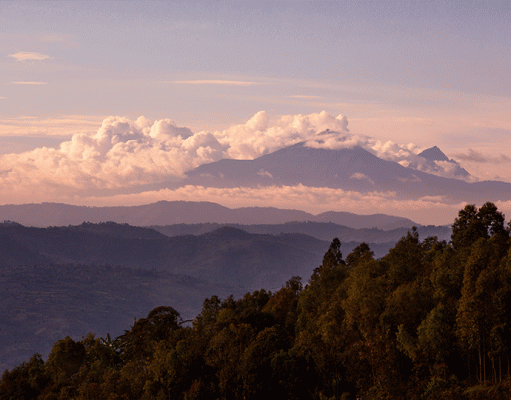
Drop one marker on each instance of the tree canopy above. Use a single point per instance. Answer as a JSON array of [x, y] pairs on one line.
[[430, 320]]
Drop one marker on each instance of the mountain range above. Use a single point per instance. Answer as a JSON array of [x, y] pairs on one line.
[[185, 212], [67, 281], [350, 169], [250, 256], [65, 268], [70, 280], [353, 170], [319, 230]]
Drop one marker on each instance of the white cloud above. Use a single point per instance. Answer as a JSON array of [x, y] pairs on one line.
[[361, 176], [28, 83], [404, 154], [265, 174], [121, 153], [125, 153], [256, 137], [29, 56]]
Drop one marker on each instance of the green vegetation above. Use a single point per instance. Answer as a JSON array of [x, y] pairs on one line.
[[430, 320], [43, 303]]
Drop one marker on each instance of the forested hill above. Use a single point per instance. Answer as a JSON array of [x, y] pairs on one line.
[[319, 230], [430, 320], [67, 280], [227, 255], [189, 212]]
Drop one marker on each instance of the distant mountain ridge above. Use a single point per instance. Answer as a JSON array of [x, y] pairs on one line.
[[68, 280], [176, 212], [226, 255], [320, 230], [350, 169]]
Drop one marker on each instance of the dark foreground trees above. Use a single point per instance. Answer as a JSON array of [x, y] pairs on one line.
[[431, 320]]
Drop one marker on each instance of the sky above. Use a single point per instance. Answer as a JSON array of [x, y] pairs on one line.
[[115, 94]]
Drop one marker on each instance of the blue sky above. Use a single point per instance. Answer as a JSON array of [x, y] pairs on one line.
[[427, 73]]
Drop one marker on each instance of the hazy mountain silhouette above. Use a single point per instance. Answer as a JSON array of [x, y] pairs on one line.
[[379, 221], [320, 230], [176, 212], [349, 169], [227, 255], [435, 154]]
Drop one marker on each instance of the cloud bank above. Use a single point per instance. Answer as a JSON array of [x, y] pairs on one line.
[[124, 154], [426, 210]]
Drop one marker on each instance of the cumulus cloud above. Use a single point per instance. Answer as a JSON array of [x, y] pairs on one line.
[[125, 153], [478, 157], [341, 138], [29, 56], [405, 154], [256, 137], [121, 153]]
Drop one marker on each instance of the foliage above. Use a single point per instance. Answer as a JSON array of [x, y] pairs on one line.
[[430, 320]]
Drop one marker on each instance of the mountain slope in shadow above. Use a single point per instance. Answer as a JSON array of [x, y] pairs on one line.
[[353, 169]]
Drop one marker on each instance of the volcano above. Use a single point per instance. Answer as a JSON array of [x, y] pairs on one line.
[[350, 169]]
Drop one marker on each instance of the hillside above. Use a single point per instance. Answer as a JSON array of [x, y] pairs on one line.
[[319, 230], [350, 169], [67, 280], [187, 212], [429, 320], [228, 255], [43, 303]]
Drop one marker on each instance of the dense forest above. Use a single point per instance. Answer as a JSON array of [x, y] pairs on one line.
[[430, 320]]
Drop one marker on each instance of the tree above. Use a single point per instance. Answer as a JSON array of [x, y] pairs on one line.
[[361, 253], [333, 257], [65, 359], [472, 224], [139, 340], [283, 305], [26, 381]]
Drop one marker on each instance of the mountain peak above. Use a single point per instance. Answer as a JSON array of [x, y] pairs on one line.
[[433, 154]]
